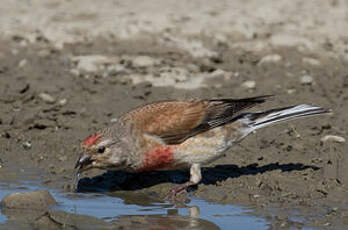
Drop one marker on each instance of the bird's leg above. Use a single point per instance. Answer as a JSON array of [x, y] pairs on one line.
[[195, 178]]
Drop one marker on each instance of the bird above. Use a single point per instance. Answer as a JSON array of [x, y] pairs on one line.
[[180, 134]]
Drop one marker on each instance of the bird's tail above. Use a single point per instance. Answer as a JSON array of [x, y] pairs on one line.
[[270, 117]]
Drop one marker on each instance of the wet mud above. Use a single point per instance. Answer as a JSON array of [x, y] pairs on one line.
[[50, 102]]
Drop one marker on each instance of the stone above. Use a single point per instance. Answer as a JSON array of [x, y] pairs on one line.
[[113, 120], [249, 84], [23, 43], [306, 80], [311, 61], [116, 69], [291, 91], [333, 138], [143, 61], [176, 77], [271, 58], [62, 158], [44, 53], [47, 98], [63, 101], [218, 73], [192, 68], [221, 39], [291, 40], [92, 63], [75, 72], [22, 63], [37, 200], [27, 145]]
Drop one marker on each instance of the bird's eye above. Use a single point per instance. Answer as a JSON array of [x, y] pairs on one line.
[[101, 149]]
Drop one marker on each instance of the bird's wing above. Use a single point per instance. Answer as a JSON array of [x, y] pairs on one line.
[[175, 121]]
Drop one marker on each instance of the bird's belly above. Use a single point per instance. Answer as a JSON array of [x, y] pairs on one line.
[[203, 148]]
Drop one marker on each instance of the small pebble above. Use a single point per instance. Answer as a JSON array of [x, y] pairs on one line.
[[333, 138], [218, 86], [192, 68], [272, 58], [113, 120], [44, 53], [306, 80], [115, 69], [22, 63], [27, 145], [47, 98], [23, 43], [221, 38], [310, 61], [291, 91], [59, 45], [63, 101], [249, 84], [143, 61], [92, 63], [62, 158], [218, 73], [75, 72]]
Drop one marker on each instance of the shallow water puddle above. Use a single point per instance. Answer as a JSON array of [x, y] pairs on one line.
[[198, 213], [107, 207]]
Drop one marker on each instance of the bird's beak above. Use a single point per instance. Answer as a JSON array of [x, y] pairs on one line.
[[82, 163]]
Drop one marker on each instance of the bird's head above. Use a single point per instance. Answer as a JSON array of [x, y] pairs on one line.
[[100, 151]]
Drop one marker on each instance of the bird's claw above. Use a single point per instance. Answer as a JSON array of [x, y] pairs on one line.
[[174, 195]]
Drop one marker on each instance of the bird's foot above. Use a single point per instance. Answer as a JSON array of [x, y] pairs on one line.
[[175, 194]]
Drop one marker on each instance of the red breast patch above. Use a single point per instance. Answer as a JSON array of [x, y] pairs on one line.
[[91, 140], [159, 158]]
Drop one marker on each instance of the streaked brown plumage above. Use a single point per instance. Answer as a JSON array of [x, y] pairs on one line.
[[180, 134]]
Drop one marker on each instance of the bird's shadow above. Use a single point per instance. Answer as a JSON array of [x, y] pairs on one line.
[[120, 180]]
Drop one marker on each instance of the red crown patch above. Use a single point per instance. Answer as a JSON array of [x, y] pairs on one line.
[[91, 140]]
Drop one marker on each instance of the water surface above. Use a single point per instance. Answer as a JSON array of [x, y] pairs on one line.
[[113, 208]]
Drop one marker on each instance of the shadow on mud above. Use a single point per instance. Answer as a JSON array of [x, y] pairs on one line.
[[120, 180]]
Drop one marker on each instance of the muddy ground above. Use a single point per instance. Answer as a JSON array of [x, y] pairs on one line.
[[54, 96], [281, 168]]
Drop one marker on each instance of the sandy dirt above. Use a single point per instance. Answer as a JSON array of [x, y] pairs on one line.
[[64, 75]]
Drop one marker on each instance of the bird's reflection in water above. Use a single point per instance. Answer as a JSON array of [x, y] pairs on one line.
[[194, 213]]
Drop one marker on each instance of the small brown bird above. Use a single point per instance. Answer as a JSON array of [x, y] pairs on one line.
[[180, 134]]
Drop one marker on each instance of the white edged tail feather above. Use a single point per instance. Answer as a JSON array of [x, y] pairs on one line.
[[270, 117]]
